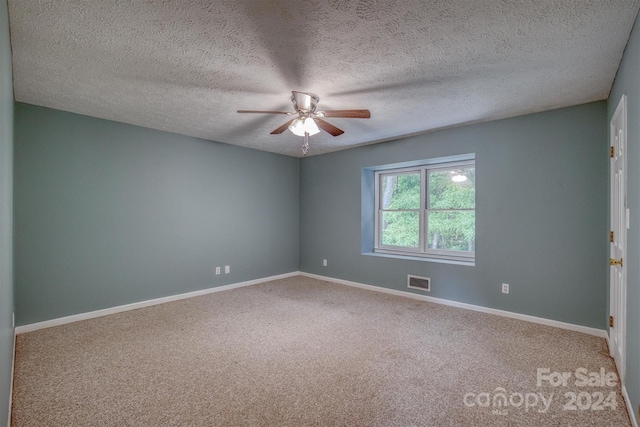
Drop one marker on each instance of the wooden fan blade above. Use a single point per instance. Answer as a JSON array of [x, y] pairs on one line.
[[282, 128], [265, 112], [328, 127], [348, 114]]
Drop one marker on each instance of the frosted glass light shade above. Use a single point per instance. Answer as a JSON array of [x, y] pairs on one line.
[[300, 126]]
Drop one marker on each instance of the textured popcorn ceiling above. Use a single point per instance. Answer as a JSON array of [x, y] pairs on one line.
[[186, 66]]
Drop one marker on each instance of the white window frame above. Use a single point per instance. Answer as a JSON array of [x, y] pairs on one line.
[[422, 251]]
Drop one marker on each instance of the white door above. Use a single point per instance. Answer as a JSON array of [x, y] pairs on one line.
[[618, 238]]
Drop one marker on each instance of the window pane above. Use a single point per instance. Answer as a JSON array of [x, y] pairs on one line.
[[400, 191], [400, 229], [452, 188], [452, 231]]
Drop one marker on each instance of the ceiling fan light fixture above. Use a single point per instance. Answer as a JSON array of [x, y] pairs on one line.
[[306, 121], [300, 126]]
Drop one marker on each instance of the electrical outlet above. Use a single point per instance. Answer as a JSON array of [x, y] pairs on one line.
[[217, 270], [324, 262], [227, 269], [505, 288]]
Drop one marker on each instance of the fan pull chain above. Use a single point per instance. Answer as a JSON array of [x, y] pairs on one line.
[[305, 145]]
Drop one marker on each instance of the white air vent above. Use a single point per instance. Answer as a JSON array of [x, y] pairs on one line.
[[420, 283]]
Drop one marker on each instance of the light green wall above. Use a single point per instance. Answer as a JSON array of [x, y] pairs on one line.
[[541, 189], [108, 214], [6, 215], [628, 81]]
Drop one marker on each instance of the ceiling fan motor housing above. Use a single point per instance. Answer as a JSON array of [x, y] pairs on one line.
[[304, 101]]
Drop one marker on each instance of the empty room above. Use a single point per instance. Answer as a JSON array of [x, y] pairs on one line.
[[313, 213]]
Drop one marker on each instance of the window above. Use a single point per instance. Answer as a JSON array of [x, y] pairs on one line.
[[427, 211]]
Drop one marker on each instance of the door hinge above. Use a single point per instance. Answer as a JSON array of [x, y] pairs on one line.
[[612, 151], [611, 322], [615, 262], [611, 237]]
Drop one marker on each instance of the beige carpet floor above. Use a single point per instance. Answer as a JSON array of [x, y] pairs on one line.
[[303, 352]]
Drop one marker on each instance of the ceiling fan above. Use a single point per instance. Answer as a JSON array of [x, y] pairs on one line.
[[307, 121]]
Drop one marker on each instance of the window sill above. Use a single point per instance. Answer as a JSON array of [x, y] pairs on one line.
[[470, 263]]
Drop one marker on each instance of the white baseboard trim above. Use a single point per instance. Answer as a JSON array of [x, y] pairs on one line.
[[13, 366], [542, 321], [118, 309], [625, 395], [630, 410]]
